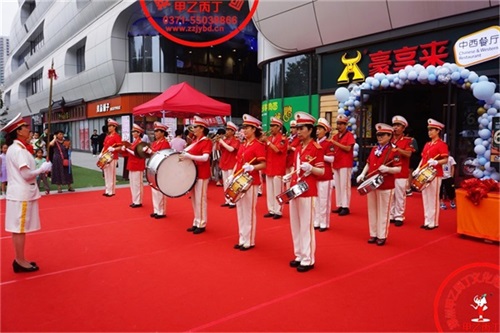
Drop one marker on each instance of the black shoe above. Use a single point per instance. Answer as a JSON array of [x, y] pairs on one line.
[[71, 190], [392, 221], [277, 217], [380, 242], [430, 228], [198, 231], [398, 223], [237, 246], [232, 206], [160, 216], [294, 263], [192, 229], [242, 248], [269, 215], [423, 226], [323, 229], [21, 269], [135, 205], [153, 215], [344, 211], [372, 240], [108, 195], [337, 210], [303, 269], [259, 194], [224, 204], [316, 228]]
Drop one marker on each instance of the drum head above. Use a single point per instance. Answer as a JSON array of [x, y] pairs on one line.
[[173, 177]]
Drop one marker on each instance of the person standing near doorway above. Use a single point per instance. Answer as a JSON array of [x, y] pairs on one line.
[[342, 165], [434, 154], [94, 141], [404, 147]]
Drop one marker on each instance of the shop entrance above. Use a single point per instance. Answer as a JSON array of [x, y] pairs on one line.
[[453, 106]]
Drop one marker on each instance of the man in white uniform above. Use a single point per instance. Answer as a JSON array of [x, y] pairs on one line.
[[21, 212]]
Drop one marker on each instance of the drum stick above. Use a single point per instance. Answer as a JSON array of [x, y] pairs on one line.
[[241, 170], [376, 171], [426, 164], [298, 169]]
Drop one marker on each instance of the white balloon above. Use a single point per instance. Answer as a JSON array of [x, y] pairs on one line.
[[495, 176], [484, 134], [483, 90], [375, 83], [492, 111], [385, 83], [477, 173], [355, 154], [478, 141], [354, 127], [431, 69], [479, 150], [352, 120], [408, 68], [483, 78], [485, 143], [342, 94], [403, 75], [487, 154], [484, 121], [490, 126], [464, 73], [473, 77], [412, 75], [356, 146]]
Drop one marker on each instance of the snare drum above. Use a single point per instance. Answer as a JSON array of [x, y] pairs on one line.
[[238, 187], [105, 159], [292, 193], [370, 184], [423, 178], [169, 175]]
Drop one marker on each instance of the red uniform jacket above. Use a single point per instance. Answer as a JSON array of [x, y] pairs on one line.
[[328, 150], [276, 162], [134, 163], [432, 150], [228, 158], [293, 141], [247, 152], [110, 140], [374, 162], [198, 148], [405, 143], [344, 159], [312, 153]]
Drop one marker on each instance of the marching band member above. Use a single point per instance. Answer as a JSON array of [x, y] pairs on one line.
[[135, 166], [379, 200], [324, 201], [228, 147], [434, 154], [293, 143], [112, 139], [309, 163], [199, 151], [342, 165], [21, 209], [160, 143], [277, 146], [404, 146], [253, 151]]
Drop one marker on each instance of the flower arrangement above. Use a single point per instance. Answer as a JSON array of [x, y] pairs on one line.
[[478, 189]]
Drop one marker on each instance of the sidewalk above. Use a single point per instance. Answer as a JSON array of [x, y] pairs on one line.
[[86, 160]]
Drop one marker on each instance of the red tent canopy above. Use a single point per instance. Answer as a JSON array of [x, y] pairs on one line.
[[182, 101]]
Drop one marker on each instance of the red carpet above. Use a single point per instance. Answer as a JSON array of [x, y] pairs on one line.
[[107, 267]]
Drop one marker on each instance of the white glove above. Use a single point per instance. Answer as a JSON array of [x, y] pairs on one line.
[[45, 167], [186, 155], [99, 156], [383, 168], [145, 149], [123, 148], [248, 167], [287, 178], [415, 173], [229, 179], [306, 167], [432, 162], [111, 149], [360, 178]]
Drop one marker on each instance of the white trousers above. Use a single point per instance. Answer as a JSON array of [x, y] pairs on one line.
[[110, 177], [288, 171], [342, 179], [225, 175], [159, 202], [274, 187], [247, 217], [136, 186], [301, 224], [379, 205], [398, 205], [323, 204], [199, 202], [430, 198]]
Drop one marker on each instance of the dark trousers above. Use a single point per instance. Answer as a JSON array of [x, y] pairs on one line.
[[94, 149], [447, 189]]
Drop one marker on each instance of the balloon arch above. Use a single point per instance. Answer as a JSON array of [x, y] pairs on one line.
[[482, 89]]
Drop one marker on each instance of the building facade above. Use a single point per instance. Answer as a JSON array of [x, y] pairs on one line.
[[108, 59], [353, 45], [4, 53]]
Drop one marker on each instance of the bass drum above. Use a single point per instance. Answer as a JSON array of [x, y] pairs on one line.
[[169, 175]]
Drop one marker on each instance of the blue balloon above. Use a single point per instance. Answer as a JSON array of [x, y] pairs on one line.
[[347, 113], [473, 77], [478, 141], [460, 81], [465, 73], [432, 77], [484, 134], [479, 149], [483, 90], [482, 161], [495, 176], [477, 173]]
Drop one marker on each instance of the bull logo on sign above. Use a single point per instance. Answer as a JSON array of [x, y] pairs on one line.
[[351, 66]]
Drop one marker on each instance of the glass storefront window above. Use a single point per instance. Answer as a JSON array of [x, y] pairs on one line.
[[275, 79], [297, 70]]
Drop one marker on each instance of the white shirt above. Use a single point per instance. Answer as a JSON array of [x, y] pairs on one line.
[[447, 167], [20, 189]]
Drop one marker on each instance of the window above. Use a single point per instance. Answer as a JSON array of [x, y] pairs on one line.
[[297, 71], [36, 83], [275, 79], [80, 59], [74, 62]]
